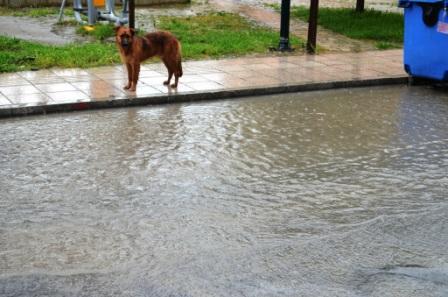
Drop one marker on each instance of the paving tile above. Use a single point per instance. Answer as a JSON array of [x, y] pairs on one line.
[[30, 75], [145, 90], [231, 68], [204, 86], [263, 81], [15, 82], [80, 78], [230, 62], [203, 64], [155, 81], [181, 88], [245, 74], [100, 89], [70, 72], [117, 83], [106, 69], [26, 99], [42, 77], [258, 67], [220, 78], [55, 87], [9, 76], [69, 96], [192, 78], [4, 101], [330, 61], [200, 70], [367, 73], [152, 73], [111, 75], [238, 83], [293, 77], [12, 79], [110, 72], [19, 90], [158, 67]]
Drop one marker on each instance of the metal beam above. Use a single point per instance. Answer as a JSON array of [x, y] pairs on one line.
[[284, 44], [312, 27], [131, 13], [360, 5]]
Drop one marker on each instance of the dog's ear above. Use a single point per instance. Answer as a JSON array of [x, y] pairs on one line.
[[132, 30]]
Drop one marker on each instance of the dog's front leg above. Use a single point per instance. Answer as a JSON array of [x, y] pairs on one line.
[[129, 68], [135, 74]]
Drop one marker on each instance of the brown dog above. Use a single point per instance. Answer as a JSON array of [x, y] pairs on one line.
[[134, 49]]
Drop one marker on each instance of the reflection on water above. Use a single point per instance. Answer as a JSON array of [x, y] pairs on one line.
[[336, 193]]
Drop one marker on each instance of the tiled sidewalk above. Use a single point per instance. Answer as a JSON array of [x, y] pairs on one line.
[[73, 89]]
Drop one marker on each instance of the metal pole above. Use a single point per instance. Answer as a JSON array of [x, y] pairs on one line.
[[91, 12], [360, 5], [61, 11], [131, 13], [284, 26], [312, 27]]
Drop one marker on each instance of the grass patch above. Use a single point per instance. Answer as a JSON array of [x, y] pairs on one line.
[[205, 36], [221, 34], [17, 55], [29, 11], [385, 28], [99, 31]]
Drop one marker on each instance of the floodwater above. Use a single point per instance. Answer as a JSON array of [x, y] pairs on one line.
[[333, 193]]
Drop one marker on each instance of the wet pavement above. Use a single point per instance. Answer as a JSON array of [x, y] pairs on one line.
[[72, 89], [43, 30], [330, 193]]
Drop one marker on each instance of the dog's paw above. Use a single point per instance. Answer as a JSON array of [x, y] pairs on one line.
[[174, 86], [166, 82], [126, 87]]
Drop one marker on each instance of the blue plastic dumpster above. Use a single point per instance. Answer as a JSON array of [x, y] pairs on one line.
[[426, 38]]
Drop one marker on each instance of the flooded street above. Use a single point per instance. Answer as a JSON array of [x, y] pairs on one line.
[[332, 193]]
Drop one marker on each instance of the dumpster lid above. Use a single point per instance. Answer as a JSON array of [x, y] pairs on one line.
[[407, 3]]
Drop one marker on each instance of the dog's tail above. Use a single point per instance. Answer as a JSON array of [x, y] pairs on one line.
[[179, 60], [179, 68]]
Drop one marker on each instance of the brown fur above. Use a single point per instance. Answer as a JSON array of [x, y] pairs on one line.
[[134, 50]]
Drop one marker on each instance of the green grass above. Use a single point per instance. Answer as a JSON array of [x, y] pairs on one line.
[[206, 36], [385, 28], [100, 31], [29, 11], [16, 55], [221, 34]]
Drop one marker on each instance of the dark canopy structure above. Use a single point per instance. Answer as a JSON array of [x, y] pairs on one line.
[[359, 5], [131, 13]]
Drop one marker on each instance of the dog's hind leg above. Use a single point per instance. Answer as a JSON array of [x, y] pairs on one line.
[[177, 70], [170, 75], [176, 79], [170, 72]]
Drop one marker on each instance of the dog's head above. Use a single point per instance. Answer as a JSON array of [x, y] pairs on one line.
[[124, 36]]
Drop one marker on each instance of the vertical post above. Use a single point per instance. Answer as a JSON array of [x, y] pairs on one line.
[[131, 13], [312, 27], [284, 26], [61, 11], [359, 5], [91, 12]]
